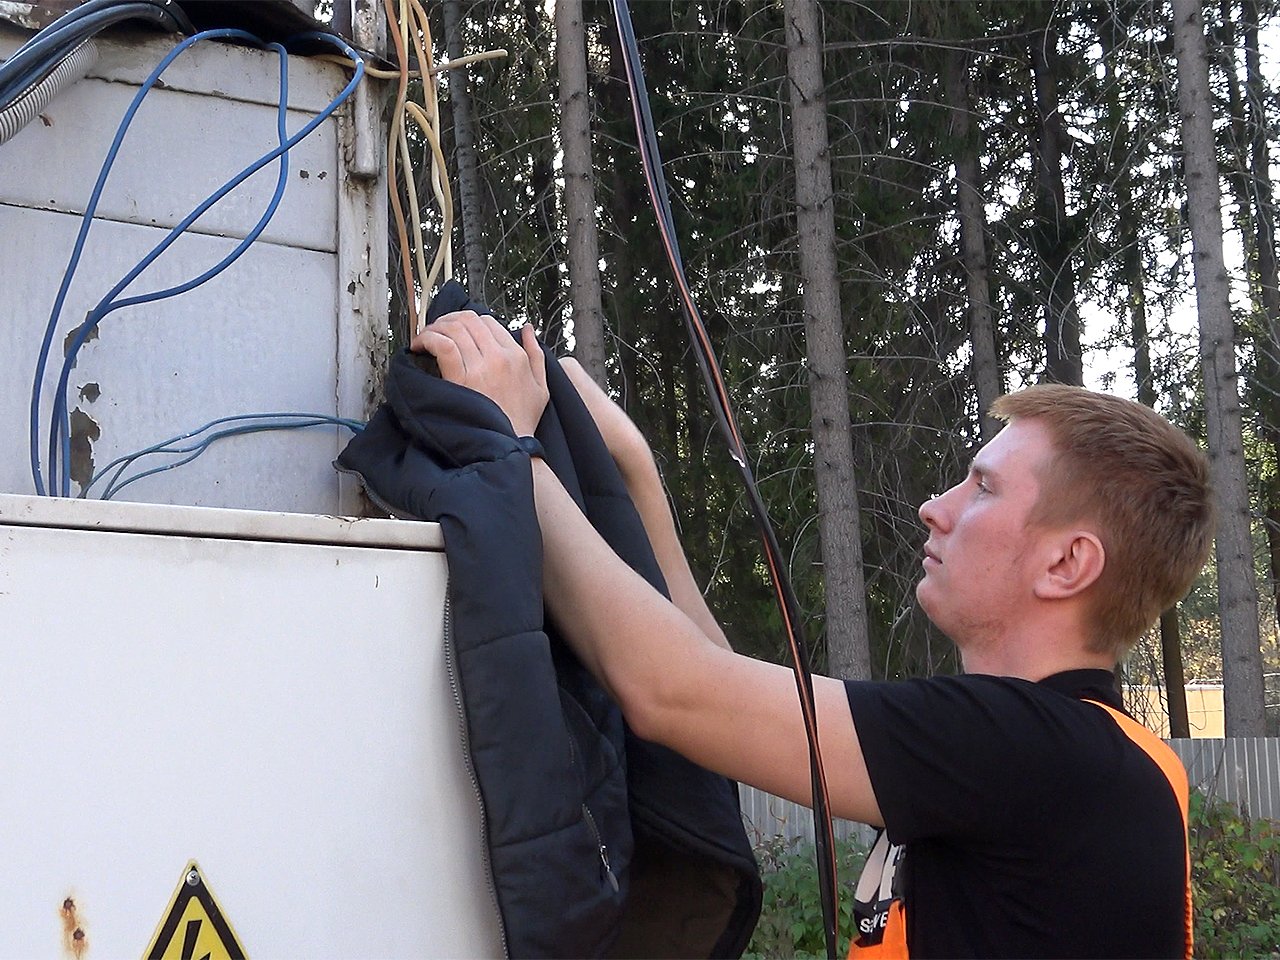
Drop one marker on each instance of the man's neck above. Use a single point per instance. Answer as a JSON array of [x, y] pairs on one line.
[[1030, 662]]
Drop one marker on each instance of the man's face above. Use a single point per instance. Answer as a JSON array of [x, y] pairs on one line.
[[979, 564]]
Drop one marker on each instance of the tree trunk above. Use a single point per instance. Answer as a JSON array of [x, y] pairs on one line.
[[464, 138], [579, 190], [848, 651], [1175, 684], [1253, 203], [973, 240], [1237, 585], [544, 269], [1266, 344], [1053, 234]]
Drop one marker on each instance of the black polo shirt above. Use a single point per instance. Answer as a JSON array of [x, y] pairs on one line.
[[1033, 826]]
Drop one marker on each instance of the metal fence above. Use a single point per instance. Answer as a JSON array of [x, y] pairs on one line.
[[1244, 771], [1241, 770], [768, 816]]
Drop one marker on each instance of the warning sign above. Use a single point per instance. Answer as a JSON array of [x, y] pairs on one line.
[[193, 927]]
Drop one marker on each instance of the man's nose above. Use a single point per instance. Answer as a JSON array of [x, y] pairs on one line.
[[933, 511]]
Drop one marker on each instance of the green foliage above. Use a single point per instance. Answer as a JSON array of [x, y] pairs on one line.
[[791, 920], [1235, 876]]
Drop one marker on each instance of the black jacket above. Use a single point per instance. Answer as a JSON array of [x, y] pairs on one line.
[[600, 843]]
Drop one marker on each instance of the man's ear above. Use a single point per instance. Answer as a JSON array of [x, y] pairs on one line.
[[1075, 564]]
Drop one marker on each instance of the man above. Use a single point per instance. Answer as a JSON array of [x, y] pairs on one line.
[[1025, 814]]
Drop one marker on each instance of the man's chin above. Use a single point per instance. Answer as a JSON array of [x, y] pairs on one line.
[[924, 591]]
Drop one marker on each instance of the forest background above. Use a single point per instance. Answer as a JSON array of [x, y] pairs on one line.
[[890, 213]]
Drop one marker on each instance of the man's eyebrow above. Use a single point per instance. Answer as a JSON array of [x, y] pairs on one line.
[[982, 468]]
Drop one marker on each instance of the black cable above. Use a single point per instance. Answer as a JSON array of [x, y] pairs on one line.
[[69, 30], [788, 605], [39, 55]]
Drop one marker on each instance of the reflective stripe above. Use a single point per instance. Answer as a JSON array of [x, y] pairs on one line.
[[1176, 774]]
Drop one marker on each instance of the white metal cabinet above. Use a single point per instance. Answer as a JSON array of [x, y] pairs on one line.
[[263, 693]]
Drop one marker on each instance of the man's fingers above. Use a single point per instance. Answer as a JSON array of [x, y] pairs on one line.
[[533, 350], [478, 352], [445, 349], [467, 330], [496, 332]]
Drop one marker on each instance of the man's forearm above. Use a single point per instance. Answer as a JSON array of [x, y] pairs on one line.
[[596, 600], [644, 483], [676, 685]]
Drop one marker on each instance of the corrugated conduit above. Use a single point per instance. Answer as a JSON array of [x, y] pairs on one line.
[[27, 107]]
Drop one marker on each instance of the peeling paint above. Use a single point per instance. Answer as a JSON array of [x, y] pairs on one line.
[[71, 338], [90, 392], [304, 174], [75, 942], [84, 431], [26, 15]]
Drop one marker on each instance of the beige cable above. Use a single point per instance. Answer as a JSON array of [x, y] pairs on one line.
[[393, 190], [409, 25]]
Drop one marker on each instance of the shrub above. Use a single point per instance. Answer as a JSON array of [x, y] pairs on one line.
[[791, 920], [1235, 881]]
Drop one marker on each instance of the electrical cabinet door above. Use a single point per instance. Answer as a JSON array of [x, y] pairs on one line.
[[267, 695]]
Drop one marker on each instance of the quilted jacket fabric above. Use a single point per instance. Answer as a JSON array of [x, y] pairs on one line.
[[600, 844]]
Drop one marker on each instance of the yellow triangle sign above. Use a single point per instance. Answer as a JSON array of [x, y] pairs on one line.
[[193, 927]]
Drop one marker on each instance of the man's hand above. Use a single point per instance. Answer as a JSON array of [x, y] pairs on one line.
[[478, 352], [626, 443]]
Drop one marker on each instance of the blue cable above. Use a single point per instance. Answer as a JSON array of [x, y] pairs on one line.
[[161, 447], [59, 423], [78, 247], [304, 420], [59, 427]]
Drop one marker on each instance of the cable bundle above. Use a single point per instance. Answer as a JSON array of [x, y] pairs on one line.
[[651, 161], [409, 25], [36, 59], [246, 423], [59, 452]]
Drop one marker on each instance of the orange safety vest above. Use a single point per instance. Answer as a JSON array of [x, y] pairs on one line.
[[878, 911]]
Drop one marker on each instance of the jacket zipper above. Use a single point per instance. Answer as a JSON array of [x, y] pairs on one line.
[[595, 831], [376, 500], [451, 667], [604, 851]]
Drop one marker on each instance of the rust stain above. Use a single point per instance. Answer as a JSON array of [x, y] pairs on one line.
[[75, 942], [84, 430]]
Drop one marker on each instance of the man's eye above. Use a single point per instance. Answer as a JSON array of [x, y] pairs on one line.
[[982, 485]]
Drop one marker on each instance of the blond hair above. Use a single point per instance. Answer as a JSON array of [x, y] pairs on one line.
[[1145, 485]]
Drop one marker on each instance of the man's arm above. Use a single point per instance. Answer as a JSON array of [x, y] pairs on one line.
[[631, 453], [732, 714]]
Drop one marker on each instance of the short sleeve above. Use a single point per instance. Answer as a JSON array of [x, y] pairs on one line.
[[949, 757]]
